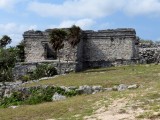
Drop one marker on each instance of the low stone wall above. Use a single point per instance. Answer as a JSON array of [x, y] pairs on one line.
[[149, 55], [10, 87], [22, 69]]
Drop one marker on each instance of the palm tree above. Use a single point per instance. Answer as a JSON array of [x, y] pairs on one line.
[[57, 37], [5, 40], [73, 38], [74, 35]]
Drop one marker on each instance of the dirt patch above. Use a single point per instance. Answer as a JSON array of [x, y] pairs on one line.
[[118, 110]]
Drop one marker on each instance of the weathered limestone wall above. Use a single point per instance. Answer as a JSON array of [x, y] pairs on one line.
[[35, 47], [22, 69], [95, 48], [104, 47], [108, 45], [34, 50], [68, 53], [149, 55]]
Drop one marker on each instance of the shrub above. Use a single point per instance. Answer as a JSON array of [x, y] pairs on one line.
[[43, 70], [26, 78], [40, 95], [35, 96], [71, 93], [15, 99], [6, 75]]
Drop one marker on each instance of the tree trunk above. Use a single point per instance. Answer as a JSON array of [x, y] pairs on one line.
[[68, 56], [59, 62]]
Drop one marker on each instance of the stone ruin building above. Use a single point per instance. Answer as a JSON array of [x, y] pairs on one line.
[[96, 49]]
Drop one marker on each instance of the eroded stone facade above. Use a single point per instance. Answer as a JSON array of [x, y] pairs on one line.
[[96, 48]]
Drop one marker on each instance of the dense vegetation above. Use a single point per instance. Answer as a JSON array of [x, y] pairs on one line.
[[42, 70], [8, 57], [35, 96]]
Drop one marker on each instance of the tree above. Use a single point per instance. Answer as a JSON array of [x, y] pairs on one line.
[[74, 35], [73, 38], [21, 53], [8, 58], [5, 40], [57, 37]]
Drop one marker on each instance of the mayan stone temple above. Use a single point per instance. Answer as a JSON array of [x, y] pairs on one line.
[[96, 49]]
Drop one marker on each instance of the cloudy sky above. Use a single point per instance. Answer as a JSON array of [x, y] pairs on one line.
[[17, 16]]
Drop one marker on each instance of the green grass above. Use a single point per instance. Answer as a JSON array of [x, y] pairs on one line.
[[147, 97], [79, 105], [107, 77]]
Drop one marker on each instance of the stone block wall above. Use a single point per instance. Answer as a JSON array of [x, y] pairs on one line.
[[149, 55], [96, 48], [34, 49], [109, 47], [22, 69]]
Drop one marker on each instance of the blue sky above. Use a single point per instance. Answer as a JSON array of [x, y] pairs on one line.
[[17, 16]]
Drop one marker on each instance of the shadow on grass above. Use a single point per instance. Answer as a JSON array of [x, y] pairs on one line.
[[98, 70]]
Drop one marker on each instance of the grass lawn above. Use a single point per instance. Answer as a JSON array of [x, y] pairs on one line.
[[147, 97], [107, 77]]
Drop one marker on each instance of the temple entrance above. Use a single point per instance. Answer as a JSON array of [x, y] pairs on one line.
[[49, 53]]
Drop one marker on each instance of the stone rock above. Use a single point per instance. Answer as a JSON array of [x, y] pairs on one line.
[[65, 88], [85, 90], [115, 88], [95, 92], [1, 84], [58, 97], [79, 91], [107, 89], [72, 87], [13, 107], [7, 93], [133, 86], [122, 87], [98, 88]]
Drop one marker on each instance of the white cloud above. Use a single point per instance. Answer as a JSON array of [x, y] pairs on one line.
[[76, 8], [15, 31], [142, 7], [95, 8], [9, 5], [83, 23]]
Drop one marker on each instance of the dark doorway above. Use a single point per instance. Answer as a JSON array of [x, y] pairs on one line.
[[50, 54]]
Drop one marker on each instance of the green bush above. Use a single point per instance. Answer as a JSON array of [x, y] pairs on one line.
[[43, 70], [15, 99], [35, 96], [71, 93], [43, 95], [6, 75], [26, 78], [40, 95]]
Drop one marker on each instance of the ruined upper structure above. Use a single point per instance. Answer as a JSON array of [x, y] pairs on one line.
[[96, 48]]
